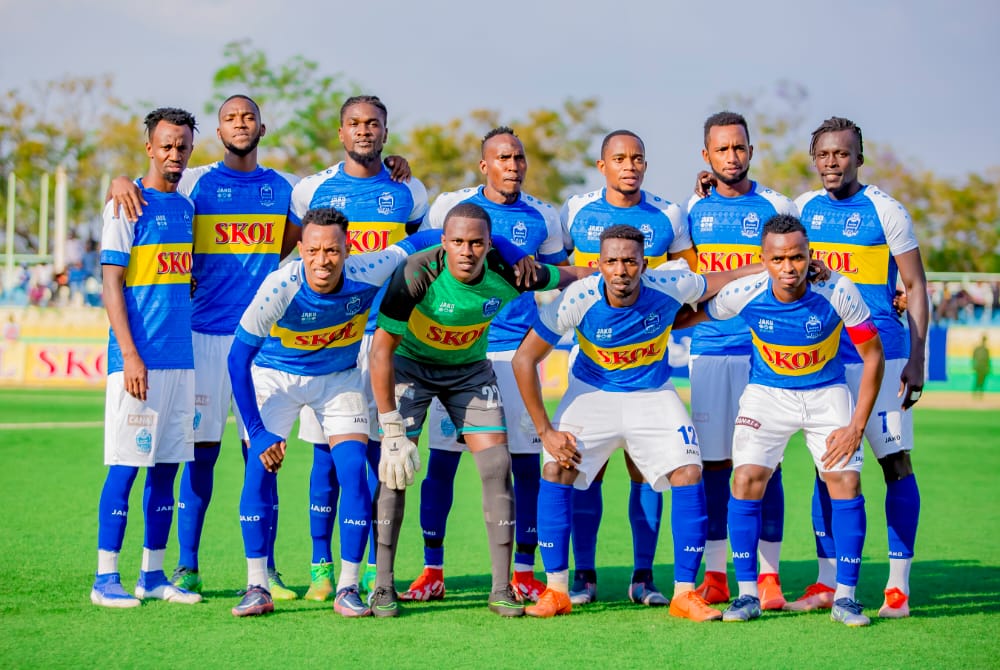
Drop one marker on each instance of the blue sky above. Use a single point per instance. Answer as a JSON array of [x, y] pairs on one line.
[[914, 75]]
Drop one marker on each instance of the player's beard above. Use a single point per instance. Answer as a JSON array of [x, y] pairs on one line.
[[172, 177], [729, 181], [242, 151], [373, 155]]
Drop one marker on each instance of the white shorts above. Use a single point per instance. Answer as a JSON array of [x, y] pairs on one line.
[[159, 430], [769, 416], [889, 428], [521, 435], [717, 382], [309, 429], [335, 401], [213, 390], [652, 426]]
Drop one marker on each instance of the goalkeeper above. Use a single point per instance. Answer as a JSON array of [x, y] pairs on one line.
[[431, 342]]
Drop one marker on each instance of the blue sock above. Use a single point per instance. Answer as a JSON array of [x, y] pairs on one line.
[[158, 504], [373, 453], [717, 498], [355, 502], [112, 510], [772, 510], [192, 503], [689, 522], [527, 477], [555, 514], [645, 509], [437, 492], [821, 517], [323, 493], [902, 511], [849, 526], [272, 533], [588, 507], [256, 507], [744, 533]]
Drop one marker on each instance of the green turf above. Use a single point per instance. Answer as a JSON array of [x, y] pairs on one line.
[[52, 478]]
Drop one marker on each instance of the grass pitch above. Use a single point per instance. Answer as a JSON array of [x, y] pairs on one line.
[[51, 448]]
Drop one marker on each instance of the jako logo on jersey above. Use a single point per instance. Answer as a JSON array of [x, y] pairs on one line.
[[817, 222], [707, 223], [603, 334], [338, 201], [838, 261], [814, 327], [492, 306], [519, 234], [751, 225], [143, 441], [249, 234], [852, 225], [173, 263], [266, 195], [386, 203], [720, 261], [368, 240], [765, 325]]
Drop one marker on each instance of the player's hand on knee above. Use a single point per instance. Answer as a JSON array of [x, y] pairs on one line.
[[841, 444], [562, 446], [399, 459]]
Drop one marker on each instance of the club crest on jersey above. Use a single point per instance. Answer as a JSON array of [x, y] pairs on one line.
[[386, 203], [817, 222], [765, 325], [647, 234], [266, 195], [603, 334], [519, 234], [814, 327], [491, 306], [707, 223], [143, 441], [651, 323], [852, 225], [338, 201], [751, 225], [353, 306]]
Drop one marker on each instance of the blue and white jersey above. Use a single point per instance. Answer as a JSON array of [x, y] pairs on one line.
[[621, 348], [531, 225], [585, 217], [378, 208], [860, 237], [795, 343], [156, 254], [239, 225], [303, 332], [726, 233]]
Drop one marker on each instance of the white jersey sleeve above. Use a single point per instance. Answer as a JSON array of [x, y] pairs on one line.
[[271, 300], [678, 281], [846, 300], [191, 176], [567, 311], [442, 205], [733, 297], [678, 222], [553, 244], [419, 193], [117, 234], [375, 267], [782, 204], [304, 190], [897, 226]]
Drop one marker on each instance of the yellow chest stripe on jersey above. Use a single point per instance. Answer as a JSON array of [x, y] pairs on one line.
[[723, 257], [238, 233], [796, 361], [340, 335], [442, 336], [630, 356], [159, 264], [585, 260], [864, 265], [365, 236]]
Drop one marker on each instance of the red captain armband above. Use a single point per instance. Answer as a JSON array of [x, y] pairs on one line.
[[862, 332]]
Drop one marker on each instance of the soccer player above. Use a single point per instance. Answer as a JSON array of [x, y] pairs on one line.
[[726, 227], [382, 211], [533, 226], [430, 343], [297, 347], [619, 394], [862, 232], [585, 217], [149, 407], [797, 383]]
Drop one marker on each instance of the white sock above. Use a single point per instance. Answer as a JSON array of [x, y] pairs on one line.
[[558, 581], [844, 591], [715, 555], [257, 571], [749, 589], [899, 574], [436, 567], [152, 559], [107, 562], [769, 554], [827, 571], [682, 587], [523, 567], [348, 574]]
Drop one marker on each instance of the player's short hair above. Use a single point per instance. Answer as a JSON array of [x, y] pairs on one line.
[[623, 231], [782, 224], [172, 115], [499, 130], [619, 133], [240, 96], [725, 118], [469, 210], [325, 216], [364, 99], [832, 125]]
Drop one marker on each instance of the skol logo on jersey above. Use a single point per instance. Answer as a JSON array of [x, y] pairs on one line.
[[244, 233], [338, 335], [838, 261], [852, 225], [795, 361], [722, 257], [814, 327], [386, 203], [159, 264], [492, 306], [444, 336], [367, 236], [238, 233], [626, 357], [865, 264], [519, 234], [750, 226], [173, 263]]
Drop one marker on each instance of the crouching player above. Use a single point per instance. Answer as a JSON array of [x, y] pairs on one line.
[[797, 382]]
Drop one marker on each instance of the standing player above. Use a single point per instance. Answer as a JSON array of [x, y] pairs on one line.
[[619, 394], [863, 233], [726, 228], [149, 411], [797, 383], [585, 218], [382, 212], [429, 344], [533, 226]]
